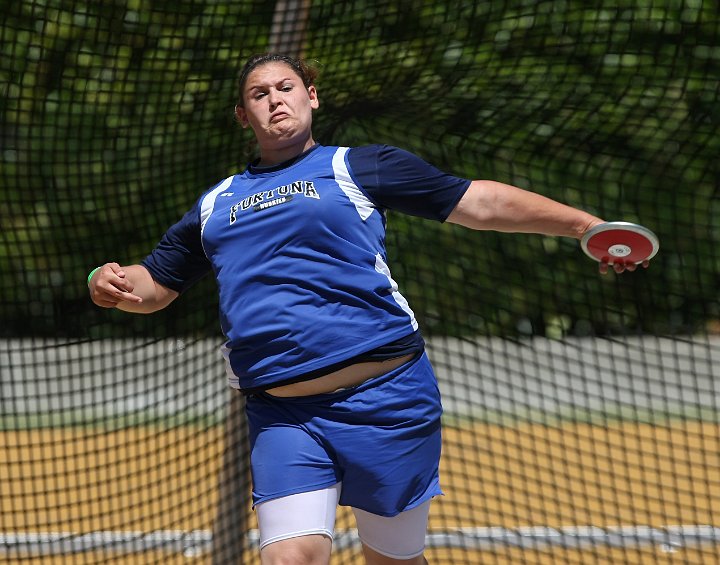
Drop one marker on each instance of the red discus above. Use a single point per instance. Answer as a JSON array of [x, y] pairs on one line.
[[620, 242]]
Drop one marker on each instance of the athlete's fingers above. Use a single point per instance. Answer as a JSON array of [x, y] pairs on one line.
[[104, 303], [109, 269], [621, 267], [117, 290], [109, 296], [110, 286], [115, 267], [106, 293], [122, 283], [117, 277], [129, 297], [112, 278]]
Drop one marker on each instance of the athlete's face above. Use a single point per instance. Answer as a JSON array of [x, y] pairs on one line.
[[278, 107]]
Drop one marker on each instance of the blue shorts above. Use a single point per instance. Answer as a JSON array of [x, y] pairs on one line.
[[381, 439]]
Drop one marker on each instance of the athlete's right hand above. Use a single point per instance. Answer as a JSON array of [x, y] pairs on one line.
[[109, 286]]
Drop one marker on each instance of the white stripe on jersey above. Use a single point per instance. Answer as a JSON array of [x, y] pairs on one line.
[[363, 206], [381, 267], [232, 379], [208, 203]]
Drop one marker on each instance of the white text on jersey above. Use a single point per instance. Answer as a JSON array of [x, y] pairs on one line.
[[269, 198]]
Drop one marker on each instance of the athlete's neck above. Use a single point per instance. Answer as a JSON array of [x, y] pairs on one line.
[[270, 156]]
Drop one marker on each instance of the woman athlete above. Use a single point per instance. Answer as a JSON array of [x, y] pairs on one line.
[[342, 403]]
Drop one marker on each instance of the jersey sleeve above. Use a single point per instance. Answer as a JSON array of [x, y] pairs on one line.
[[398, 180], [179, 261]]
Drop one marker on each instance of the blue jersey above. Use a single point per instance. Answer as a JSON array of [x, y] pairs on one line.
[[298, 251]]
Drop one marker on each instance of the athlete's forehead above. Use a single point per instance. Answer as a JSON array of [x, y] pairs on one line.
[[270, 74]]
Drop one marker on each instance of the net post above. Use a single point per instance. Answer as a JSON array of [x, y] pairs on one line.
[[230, 526], [287, 35], [231, 518]]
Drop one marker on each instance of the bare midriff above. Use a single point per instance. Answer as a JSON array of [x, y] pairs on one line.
[[347, 377]]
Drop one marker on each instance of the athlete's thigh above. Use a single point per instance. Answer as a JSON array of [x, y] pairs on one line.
[[389, 448], [400, 537], [300, 525], [297, 515], [285, 458]]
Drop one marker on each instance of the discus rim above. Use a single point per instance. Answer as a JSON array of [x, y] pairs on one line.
[[621, 227]]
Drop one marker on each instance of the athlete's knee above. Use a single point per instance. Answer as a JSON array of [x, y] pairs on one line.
[[302, 550], [372, 557]]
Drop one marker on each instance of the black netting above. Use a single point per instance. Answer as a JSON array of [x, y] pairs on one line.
[[581, 410]]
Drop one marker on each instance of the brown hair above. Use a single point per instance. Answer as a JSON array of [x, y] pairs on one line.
[[300, 68]]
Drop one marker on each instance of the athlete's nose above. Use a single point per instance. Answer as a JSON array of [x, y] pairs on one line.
[[274, 98]]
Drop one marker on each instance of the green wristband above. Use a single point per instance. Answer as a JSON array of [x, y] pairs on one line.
[[91, 274]]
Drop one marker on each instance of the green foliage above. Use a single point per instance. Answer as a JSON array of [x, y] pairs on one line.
[[117, 115]]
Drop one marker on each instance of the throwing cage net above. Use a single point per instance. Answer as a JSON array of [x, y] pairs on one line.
[[581, 411]]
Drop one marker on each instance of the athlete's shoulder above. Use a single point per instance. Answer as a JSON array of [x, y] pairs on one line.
[[218, 186], [207, 198], [400, 180], [378, 156], [385, 164], [380, 150]]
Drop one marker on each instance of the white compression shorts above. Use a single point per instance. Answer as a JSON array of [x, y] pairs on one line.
[[308, 513]]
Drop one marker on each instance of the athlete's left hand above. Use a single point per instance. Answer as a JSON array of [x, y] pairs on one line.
[[620, 267]]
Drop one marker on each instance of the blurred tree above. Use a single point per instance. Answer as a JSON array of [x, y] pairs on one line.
[[116, 116]]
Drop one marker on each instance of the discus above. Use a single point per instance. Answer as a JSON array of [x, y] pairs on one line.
[[620, 242]]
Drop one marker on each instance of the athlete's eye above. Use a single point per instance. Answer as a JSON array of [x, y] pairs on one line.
[[287, 88]]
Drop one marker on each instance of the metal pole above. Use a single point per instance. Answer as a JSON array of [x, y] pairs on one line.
[[287, 36]]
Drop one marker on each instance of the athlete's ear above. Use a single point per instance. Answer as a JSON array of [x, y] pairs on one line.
[[312, 93], [241, 116]]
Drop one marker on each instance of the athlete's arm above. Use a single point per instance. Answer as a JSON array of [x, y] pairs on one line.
[[490, 205], [129, 288]]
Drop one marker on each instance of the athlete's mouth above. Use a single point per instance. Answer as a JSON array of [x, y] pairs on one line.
[[278, 117]]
